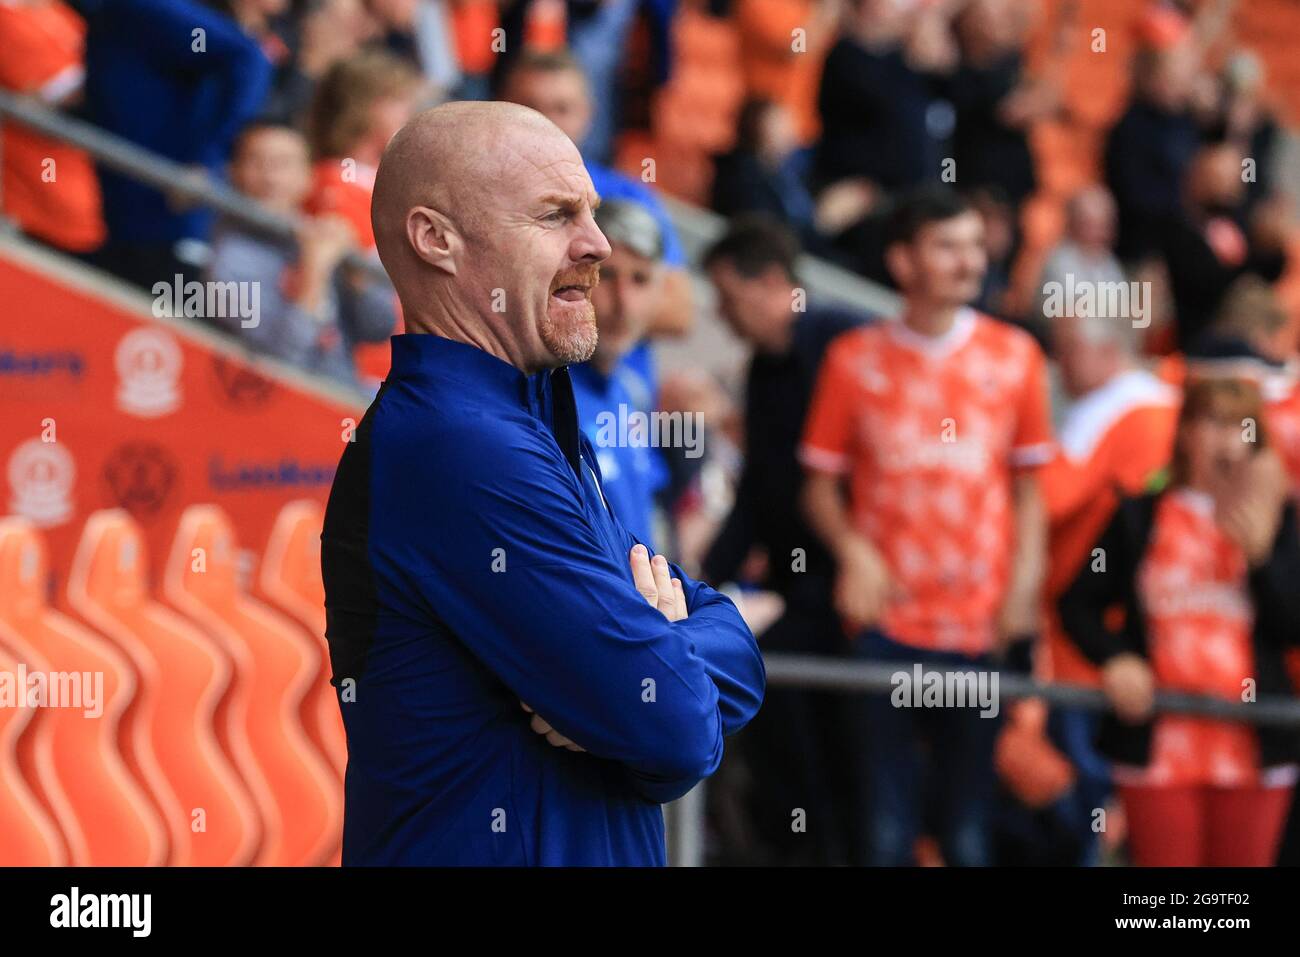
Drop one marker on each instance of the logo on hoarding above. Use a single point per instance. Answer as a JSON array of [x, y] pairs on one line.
[[41, 476], [240, 386], [141, 475], [148, 368]]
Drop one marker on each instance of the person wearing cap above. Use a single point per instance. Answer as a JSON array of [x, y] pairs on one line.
[[606, 389]]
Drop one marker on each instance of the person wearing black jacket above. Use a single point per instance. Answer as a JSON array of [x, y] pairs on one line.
[[1206, 576], [793, 752]]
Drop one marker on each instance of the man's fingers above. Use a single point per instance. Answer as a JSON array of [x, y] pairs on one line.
[[524, 705], [663, 585], [680, 594], [559, 740], [539, 724], [642, 576]]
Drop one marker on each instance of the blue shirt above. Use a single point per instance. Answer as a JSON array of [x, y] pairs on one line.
[[632, 469], [470, 562]]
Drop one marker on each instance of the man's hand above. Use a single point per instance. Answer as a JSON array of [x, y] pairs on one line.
[[657, 586], [1130, 684], [539, 725], [862, 583]]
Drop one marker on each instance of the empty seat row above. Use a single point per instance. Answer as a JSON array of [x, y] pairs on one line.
[[188, 723]]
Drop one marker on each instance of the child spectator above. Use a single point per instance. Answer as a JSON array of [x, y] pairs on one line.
[[312, 312], [358, 106]]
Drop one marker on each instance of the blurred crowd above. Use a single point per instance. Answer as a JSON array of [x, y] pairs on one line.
[[1090, 476]]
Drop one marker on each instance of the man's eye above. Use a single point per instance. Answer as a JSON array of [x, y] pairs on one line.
[[556, 216]]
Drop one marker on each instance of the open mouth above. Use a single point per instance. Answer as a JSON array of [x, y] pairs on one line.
[[573, 293]]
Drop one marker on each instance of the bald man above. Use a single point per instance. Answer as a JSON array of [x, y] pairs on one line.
[[521, 681]]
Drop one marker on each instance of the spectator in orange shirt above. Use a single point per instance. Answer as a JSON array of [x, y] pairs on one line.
[[1115, 439], [358, 106], [47, 187], [1206, 574], [936, 423]]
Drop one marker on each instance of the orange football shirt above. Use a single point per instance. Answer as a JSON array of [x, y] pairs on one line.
[[929, 431], [1193, 587], [1113, 441]]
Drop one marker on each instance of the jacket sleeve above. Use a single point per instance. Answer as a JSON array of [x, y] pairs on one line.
[[1096, 588], [507, 558], [193, 39]]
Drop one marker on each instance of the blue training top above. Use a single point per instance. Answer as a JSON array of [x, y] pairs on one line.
[[470, 562]]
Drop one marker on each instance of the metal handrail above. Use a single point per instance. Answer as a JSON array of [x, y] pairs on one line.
[[864, 677], [698, 227], [167, 176]]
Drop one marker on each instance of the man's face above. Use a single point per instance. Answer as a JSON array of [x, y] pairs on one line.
[[945, 261], [533, 253], [1085, 363], [757, 308], [1094, 220], [560, 96], [625, 301], [272, 167]]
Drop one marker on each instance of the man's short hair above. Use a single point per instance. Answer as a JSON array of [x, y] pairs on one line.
[[921, 207], [1249, 307], [753, 244], [539, 61], [262, 126], [631, 224]]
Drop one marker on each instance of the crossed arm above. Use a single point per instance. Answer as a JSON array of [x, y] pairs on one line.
[[653, 685]]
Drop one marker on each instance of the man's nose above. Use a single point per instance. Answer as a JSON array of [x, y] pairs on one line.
[[590, 245]]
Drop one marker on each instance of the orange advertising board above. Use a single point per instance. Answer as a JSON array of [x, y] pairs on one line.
[[106, 406]]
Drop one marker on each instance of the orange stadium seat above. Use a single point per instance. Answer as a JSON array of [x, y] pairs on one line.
[[105, 815], [260, 721], [290, 579], [172, 744], [31, 838]]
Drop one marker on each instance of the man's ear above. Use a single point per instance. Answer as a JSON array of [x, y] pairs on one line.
[[434, 238], [898, 261]]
